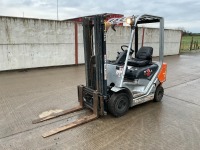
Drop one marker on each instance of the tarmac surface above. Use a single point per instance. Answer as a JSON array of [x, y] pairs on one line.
[[173, 124]]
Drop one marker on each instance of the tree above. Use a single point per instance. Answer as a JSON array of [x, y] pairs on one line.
[[184, 31]]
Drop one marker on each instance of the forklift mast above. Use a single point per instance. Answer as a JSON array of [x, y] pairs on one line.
[[95, 56], [136, 39]]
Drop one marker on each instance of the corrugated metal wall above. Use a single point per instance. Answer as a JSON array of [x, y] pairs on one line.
[[31, 43]]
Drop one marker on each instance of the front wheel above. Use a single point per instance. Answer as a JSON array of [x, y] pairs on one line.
[[118, 104], [158, 93]]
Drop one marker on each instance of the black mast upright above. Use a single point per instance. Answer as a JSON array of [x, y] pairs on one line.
[[88, 49], [136, 40], [100, 53]]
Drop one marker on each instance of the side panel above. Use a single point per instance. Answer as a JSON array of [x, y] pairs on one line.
[[114, 74]]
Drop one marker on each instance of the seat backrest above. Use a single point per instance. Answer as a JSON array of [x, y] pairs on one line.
[[145, 53]]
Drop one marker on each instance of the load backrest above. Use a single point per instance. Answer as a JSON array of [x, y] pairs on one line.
[[145, 53]]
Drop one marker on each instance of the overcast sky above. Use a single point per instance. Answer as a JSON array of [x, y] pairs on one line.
[[177, 13]]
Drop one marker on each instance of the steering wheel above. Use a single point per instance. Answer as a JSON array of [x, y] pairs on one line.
[[125, 46]]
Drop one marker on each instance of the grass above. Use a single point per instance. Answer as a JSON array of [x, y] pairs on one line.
[[186, 42]]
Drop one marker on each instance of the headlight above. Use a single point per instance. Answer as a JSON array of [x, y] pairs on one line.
[[107, 25], [129, 21]]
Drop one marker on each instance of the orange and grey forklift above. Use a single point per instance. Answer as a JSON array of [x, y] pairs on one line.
[[116, 85]]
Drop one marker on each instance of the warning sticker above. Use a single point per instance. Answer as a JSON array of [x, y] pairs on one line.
[[119, 71]]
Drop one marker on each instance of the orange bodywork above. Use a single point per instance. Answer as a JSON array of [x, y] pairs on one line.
[[162, 73]]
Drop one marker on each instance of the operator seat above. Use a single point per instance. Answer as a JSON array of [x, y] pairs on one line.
[[142, 66], [143, 57]]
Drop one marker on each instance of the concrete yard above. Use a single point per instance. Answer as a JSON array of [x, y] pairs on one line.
[[172, 124]]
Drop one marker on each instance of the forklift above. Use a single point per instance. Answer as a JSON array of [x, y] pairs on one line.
[[116, 85]]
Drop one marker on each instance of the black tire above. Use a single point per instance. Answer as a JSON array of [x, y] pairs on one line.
[[159, 93], [118, 104]]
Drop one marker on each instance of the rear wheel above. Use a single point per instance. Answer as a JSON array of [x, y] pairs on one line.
[[159, 93], [118, 104]]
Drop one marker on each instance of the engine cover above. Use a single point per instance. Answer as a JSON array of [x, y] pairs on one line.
[[145, 72]]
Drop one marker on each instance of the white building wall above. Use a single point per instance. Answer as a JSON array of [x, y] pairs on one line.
[[32, 43], [80, 45], [116, 39], [171, 41]]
